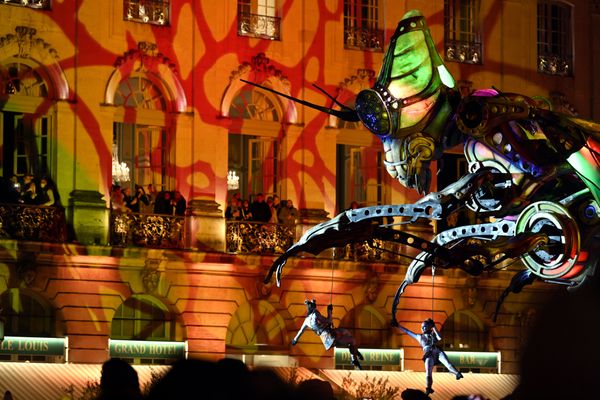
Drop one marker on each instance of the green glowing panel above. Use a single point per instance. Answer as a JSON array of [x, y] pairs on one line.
[[411, 67], [586, 167]]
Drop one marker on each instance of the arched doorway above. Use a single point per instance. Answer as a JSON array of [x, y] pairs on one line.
[[257, 335]]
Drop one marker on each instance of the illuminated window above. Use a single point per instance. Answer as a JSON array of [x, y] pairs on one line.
[[555, 40], [147, 11], [254, 157], [24, 315], [462, 31], [142, 147], [142, 319], [361, 25], [41, 4], [258, 18]]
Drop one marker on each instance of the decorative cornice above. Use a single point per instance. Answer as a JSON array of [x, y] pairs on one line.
[[26, 40], [146, 53]]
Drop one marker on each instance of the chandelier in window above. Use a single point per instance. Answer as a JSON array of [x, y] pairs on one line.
[[120, 170], [233, 181]]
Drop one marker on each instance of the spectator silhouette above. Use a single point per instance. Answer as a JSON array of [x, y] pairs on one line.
[[178, 202], [261, 212], [561, 355], [119, 381], [314, 389], [163, 203], [414, 394], [226, 379]]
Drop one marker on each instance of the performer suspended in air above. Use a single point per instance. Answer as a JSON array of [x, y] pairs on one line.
[[432, 354], [330, 336]]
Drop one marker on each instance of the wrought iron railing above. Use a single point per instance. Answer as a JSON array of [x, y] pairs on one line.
[[147, 11], [463, 51], [261, 26], [41, 4], [258, 237], [146, 230], [363, 38], [35, 223], [554, 64]]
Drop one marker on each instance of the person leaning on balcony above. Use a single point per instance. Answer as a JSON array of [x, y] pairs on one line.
[[163, 203], [131, 202], [271, 203], [178, 202], [46, 195], [245, 213], [29, 192], [288, 215], [116, 199], [232, 212], [151, 196]]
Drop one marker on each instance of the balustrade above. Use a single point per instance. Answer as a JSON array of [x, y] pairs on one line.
[[33, 223], [146, 230]]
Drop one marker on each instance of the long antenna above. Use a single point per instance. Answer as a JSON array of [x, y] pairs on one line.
[[332, 98], [347, 114]]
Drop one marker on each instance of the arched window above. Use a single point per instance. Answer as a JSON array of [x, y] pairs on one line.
[[368, 326], [254, 156], [142, 147], [139, 92], [256, 326], [26, 315], [21, 79], [254, 104], [463, 331], [143, 318], [26, 136]]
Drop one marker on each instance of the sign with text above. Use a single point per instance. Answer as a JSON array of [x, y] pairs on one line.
[[474, 359], [146, 349], [377, 357], [37, 346]]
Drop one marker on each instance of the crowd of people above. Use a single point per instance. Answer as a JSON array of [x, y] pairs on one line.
[[147, 201], [29, 190], [194, 378], [270, 210]]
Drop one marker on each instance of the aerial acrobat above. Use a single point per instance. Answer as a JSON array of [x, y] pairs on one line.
[[534, 174], [330, 336]]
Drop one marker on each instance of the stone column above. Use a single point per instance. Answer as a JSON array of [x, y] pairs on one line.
[[88, 218], [205, 226]]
